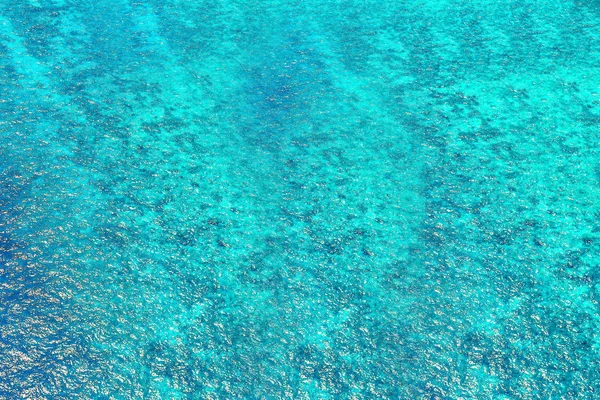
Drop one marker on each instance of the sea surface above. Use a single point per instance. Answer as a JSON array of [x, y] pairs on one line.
[[316, 199]]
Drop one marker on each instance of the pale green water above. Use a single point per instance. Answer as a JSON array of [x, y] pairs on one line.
[[312, 200]]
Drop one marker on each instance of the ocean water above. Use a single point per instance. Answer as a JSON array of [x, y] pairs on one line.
[[342, 199]]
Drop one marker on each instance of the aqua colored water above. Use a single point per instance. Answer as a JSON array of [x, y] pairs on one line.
[[343, 199]]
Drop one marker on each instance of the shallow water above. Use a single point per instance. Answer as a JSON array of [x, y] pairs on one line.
[[299, 199]]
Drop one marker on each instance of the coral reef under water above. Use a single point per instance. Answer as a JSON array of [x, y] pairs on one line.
[[299, 199]]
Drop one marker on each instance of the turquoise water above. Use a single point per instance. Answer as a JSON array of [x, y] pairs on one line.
[[299, 199]]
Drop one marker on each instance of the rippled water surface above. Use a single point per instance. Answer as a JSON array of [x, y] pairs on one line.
[[339, 199]]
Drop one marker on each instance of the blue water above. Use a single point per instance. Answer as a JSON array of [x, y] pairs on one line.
[[299, 199]]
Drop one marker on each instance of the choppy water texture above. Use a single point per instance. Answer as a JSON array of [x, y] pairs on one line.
[[220, 199]]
